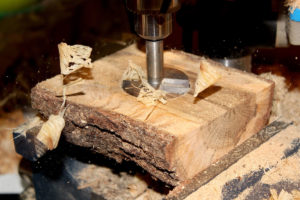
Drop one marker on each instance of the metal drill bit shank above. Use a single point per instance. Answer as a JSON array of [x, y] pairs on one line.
[[153, 22], [154, 53]]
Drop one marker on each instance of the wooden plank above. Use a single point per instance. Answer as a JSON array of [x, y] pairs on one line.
[[274, 165], [189, 189], [173, 142]]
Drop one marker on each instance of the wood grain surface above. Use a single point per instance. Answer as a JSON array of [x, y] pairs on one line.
[[173, 142]]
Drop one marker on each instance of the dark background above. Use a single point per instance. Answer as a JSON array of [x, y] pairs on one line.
[[213, 28]]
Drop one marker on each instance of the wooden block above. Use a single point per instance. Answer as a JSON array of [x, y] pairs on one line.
[[173, 142]]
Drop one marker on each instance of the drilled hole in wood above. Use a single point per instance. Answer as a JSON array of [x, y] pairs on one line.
[[175, 83]]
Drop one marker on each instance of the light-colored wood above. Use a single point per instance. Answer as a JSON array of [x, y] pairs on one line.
[[274, 165], [186, 134]]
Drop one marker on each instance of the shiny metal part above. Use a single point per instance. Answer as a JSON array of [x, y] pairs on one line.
[[152, 6], [154, 53], [153, 27], [175, 83], [153, 22], [241, 63]]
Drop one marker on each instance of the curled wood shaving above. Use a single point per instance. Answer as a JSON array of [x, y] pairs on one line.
[[134, 73], [74, 57], [71, 58], [51, 130], [206, 77], [148, 95]]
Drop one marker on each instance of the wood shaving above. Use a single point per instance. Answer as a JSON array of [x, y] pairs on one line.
[[148, 95], [51, 131], [284, 101], [134, 73], [71, 58], [74, 57], [206, 77], [280, 92]]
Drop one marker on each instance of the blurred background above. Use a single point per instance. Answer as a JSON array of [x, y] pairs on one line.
[[249, 33]]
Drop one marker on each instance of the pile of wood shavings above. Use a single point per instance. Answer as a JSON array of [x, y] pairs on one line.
[[115, 186], [148, 95], [280, 92], [290, 106], [285, 103]]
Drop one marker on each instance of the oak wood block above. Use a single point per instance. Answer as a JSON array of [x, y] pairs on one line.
[[173, 142]]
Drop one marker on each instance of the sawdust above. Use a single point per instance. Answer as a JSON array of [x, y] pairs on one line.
[[284, 195], [285, 103], [267, 156], [150, 195], [288, 169], [9, 159], [115, 186], [280, 92], [147, 95], [291, 106]]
